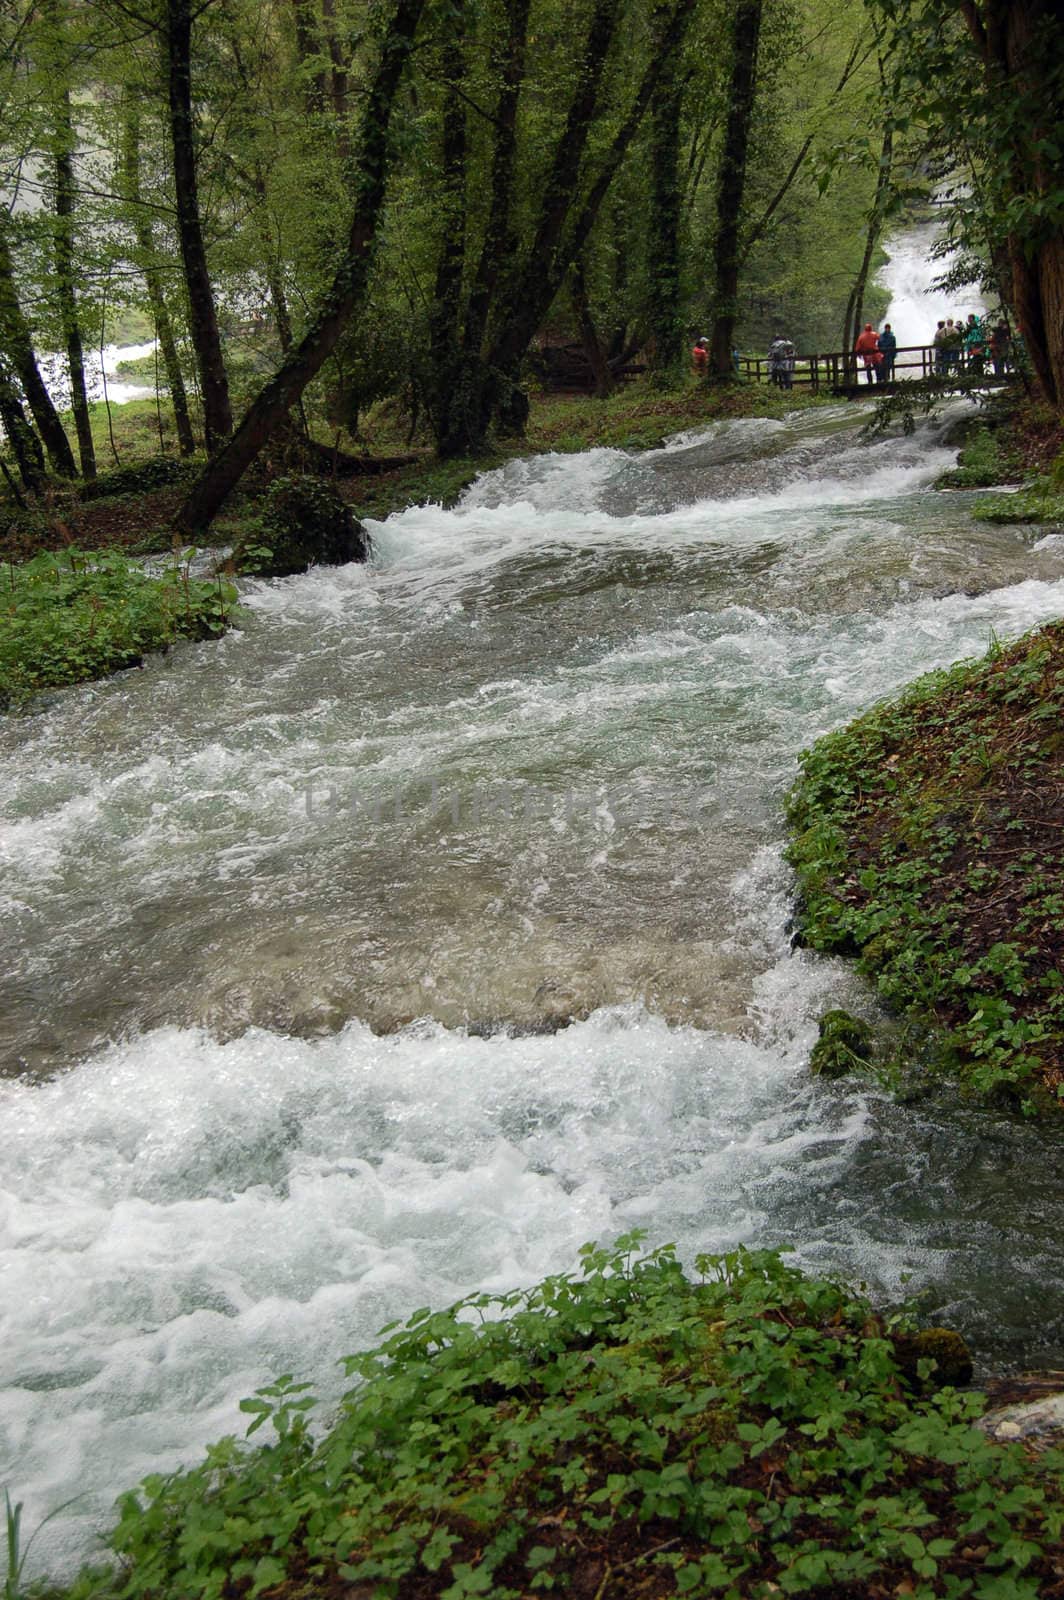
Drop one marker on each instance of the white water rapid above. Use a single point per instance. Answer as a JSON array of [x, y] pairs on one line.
[[293, 920]]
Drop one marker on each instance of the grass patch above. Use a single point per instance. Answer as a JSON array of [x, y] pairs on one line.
[[929, 843], [626, 1431], [67, 618]]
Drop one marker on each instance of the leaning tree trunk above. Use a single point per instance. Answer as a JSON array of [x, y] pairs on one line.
[[731, 184], [346, 295], [25, 445], [17, 344], [142, 232], [203, 318]]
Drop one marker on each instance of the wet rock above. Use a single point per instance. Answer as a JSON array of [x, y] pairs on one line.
[[1039, 1423], [943, 1346], [844, 1045], [307, 523]]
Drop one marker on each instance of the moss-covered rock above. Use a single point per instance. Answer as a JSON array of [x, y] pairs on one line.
[[843, 1046], [944, 1347], [306, 523]]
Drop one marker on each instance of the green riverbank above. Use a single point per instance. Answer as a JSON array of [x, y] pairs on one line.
[[623, 1432]]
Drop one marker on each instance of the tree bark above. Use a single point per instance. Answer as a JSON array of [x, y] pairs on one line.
[[520, 314], [142, 232], [18, 346], [25, 445], [1021, 43], [589, 338], [445, 379], [203, 318], [65, 265], [664, 308], [308, 50], [346, 295], [731, 184], [855, 303]]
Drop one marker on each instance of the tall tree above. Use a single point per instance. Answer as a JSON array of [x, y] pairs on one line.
[[16, 342], [203, 316], [66, 266], [148, 261], [987, 78], [346, 295], [665, 309], [731, 184]]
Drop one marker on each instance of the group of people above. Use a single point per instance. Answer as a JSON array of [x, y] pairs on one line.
[[959, 345], [878, 352], [964, 345]]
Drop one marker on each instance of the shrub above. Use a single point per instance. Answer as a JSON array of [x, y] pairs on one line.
[[139, 477], [305, 522], [70, 617]]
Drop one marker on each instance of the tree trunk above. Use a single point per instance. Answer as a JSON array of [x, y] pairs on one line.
[[589, 338], [346, 295], [203, 319], [1021, 43], [66, 269], [855, 303], [731, 185], [444, 387], [25, 445], [468, 413], [307, 49], [18, 347], [522, 311], [665, 311], [142, 232]]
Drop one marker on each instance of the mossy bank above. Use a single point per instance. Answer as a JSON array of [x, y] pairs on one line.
[[928, 840], [628, 1431]]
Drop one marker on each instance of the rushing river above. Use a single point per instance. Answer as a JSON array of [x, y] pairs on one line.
[[295, 923]]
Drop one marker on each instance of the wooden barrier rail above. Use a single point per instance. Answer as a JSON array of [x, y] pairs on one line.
[[843, 372]]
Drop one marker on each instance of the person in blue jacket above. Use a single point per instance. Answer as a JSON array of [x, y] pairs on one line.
[[887, 344]]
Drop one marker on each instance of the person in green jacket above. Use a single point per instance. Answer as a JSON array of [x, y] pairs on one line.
[[975, 345]]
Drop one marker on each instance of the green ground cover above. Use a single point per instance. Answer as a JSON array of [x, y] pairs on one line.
[[623, 1432], [928, 844], [74, 616]]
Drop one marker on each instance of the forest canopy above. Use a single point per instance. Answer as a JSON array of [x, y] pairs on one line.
[[316, 206]]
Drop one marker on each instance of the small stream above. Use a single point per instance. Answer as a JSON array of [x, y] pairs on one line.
[[435, 923]]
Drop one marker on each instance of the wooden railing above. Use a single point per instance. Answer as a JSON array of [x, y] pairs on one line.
[[843, 371]]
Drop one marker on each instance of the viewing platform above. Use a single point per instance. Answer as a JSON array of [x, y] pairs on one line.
[[843, 373]]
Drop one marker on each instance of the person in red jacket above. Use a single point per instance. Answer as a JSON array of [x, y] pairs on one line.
[[867, 347], [700, 357]]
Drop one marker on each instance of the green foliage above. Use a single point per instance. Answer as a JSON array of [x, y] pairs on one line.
[[70, 617], [1040, 501], [922, 846], [844, 1045], [139, 477], [304, 521], [745, 1431], [983, 462], [744, 1434]]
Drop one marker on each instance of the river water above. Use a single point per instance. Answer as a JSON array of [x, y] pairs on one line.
[[435, 922]]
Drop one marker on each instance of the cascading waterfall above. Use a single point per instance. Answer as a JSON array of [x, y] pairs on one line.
[[435, 923]]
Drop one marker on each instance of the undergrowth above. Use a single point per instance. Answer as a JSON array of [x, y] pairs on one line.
[[618, 1433], [66, 618], [928, 843]]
